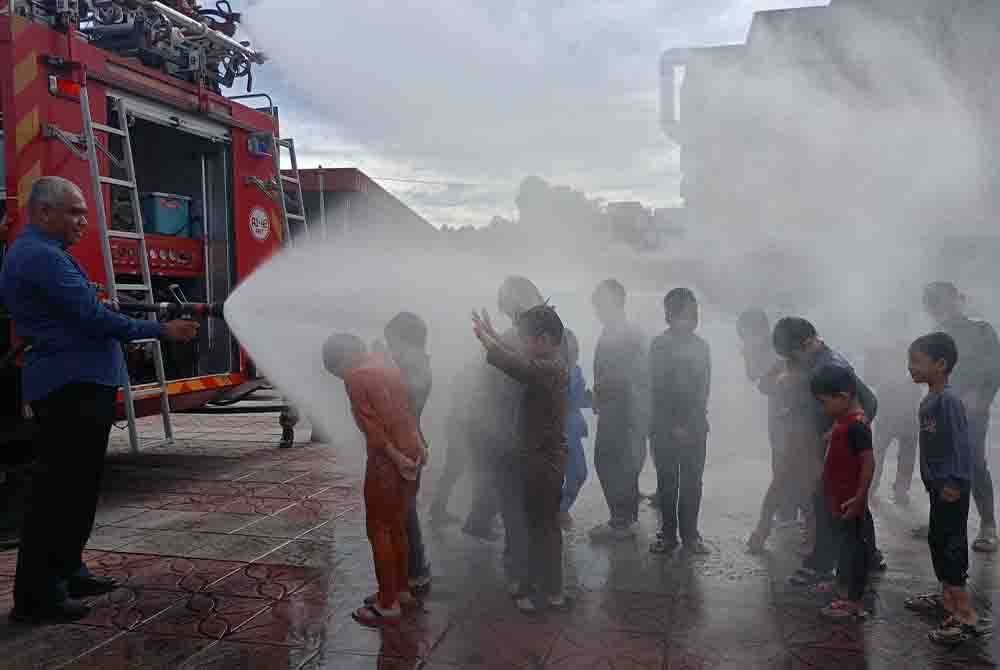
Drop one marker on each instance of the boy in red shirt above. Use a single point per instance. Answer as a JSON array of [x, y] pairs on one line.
[[847, 476], [381, 408]]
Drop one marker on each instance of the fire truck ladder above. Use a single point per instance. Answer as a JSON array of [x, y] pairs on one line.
[[296, 181], [92, 149]]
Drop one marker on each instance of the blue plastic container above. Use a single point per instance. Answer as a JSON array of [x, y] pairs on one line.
[[166, 214]]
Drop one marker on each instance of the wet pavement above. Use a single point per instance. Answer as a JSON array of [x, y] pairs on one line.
[[234, 554]]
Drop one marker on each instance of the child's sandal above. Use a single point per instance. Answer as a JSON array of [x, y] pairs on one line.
[[662, 546], [925, 603], [372, 616], [823, 588], [953, 632], [842, 610]]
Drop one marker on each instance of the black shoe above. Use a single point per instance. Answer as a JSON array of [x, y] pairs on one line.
[[84, 587], [9, 540], [287, 438], [61, 612]]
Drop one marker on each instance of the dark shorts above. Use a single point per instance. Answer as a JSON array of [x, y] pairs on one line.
[[948, 536]]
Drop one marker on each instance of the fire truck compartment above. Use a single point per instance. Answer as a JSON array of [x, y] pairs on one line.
[[195, 261]]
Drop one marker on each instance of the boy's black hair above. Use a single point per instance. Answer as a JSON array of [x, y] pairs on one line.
[[833, 379], [677, 300], [611, 288], [790, 333], [753, 321], [940, 292], [938, 347], [408, 328], [340, 346], [541, 320]]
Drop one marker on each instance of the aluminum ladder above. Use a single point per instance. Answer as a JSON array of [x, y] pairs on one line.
[[295, 181], [92, 150]]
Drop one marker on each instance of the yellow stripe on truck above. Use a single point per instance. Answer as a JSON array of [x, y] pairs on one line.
[[25, 72]]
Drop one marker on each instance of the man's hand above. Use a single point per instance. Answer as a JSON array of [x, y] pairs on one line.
[[180, 330], [852, 509], [950, 494]]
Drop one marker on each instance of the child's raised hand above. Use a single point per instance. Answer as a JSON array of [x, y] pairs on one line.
[[483, 328]]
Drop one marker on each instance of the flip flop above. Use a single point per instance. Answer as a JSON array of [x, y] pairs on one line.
[[371, 616], [841, 610], [925, 603], [953, 632]]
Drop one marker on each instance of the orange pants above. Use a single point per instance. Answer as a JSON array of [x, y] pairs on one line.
[[387, 497]]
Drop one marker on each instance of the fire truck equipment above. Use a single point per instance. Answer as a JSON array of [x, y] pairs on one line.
[[176, 36]]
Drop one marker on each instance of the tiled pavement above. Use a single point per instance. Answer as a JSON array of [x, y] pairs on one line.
[[234, 554]]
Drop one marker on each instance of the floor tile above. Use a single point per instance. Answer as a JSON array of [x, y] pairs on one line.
[[503, 646], [228, 655], [582, 649], [170, 543], [144, 571], [34, 648], [265, 580], [206, 615], [138, 651]]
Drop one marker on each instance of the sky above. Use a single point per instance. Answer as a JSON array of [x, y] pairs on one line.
[[450, 103]]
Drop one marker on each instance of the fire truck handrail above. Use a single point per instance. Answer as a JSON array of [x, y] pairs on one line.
[[270, 101]]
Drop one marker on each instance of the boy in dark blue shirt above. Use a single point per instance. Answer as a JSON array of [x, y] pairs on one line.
[[681, 375], [946, 470], [406, 338]]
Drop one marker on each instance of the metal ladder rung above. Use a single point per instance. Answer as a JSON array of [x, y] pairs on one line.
[[142, 394], [126, 235], [108, 129], [145, 341], [295, 217], [290, 180], [133, 287], [118, 182]]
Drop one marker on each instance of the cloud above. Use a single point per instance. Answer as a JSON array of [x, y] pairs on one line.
[[493, 89]]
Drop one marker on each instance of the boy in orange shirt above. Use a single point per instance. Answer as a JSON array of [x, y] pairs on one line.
[[380, 405]]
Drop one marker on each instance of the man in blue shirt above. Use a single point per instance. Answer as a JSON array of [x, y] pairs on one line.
[[71, 377]]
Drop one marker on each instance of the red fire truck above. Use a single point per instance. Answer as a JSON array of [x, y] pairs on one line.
[[124, 97]]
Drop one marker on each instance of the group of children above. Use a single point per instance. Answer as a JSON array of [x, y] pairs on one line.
[[532, 462], [826, 463]]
